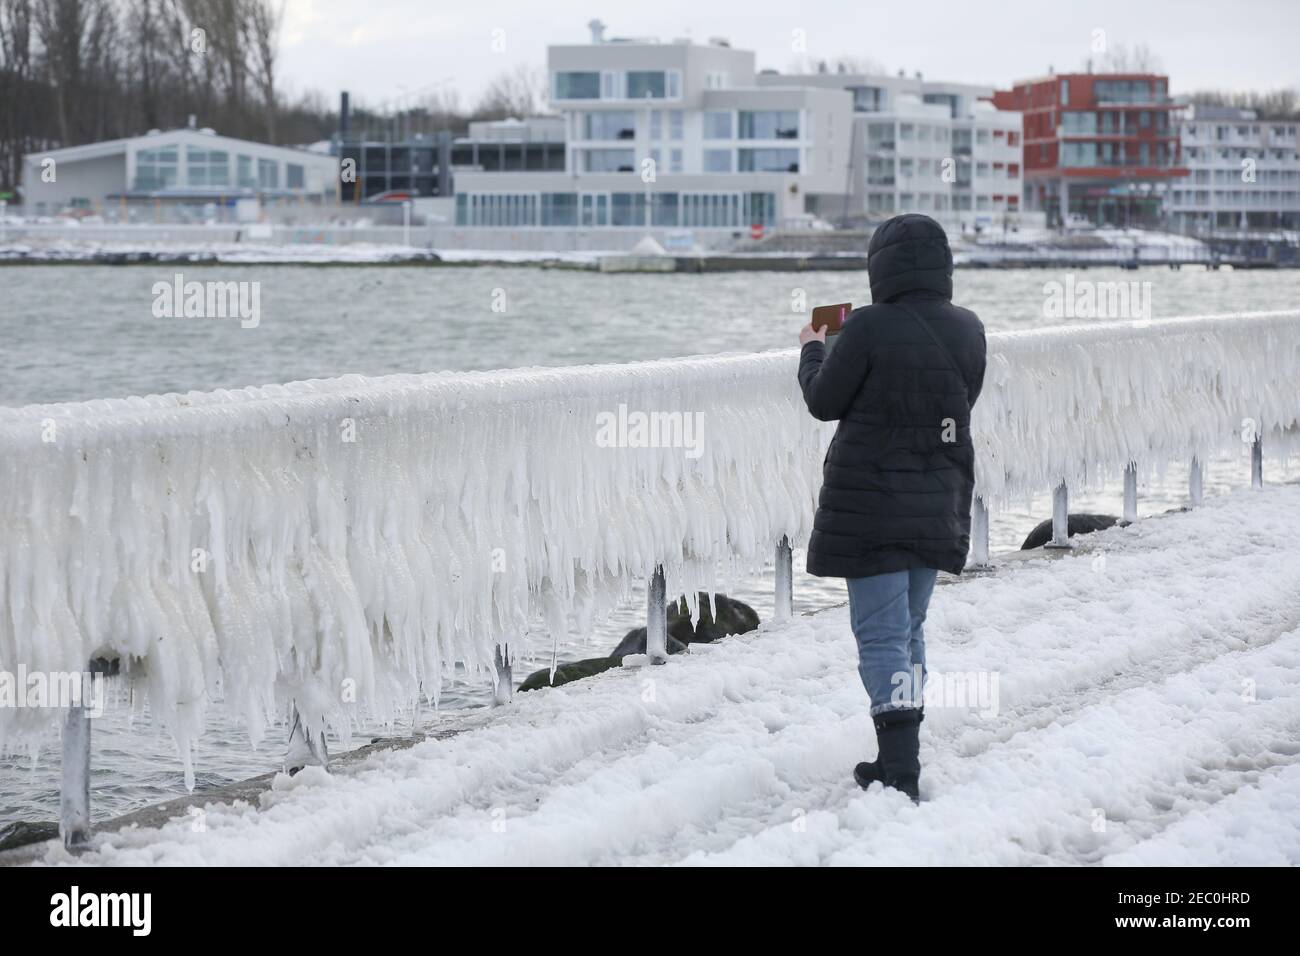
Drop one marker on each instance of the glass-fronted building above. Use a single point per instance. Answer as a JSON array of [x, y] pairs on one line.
[[180, 166], [655, 135]]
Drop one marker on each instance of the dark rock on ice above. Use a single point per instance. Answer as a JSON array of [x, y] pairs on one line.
[[1079, 524]]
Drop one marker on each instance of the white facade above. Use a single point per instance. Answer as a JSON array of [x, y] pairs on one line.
[[671, 135], [935, 148], [175, 165], [1244, 172]]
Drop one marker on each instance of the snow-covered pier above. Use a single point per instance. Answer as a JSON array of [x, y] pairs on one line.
[[1147, 708], [337, 546]]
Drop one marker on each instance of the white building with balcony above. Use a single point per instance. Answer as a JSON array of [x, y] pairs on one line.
[[930, 147], [671, 136], [179, 166], [1244, 173]]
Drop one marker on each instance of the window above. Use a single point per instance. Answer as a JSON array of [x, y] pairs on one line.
[[880, 136], [610, 124], [674, 84], [627, 209], [710, 210], [610, 160], [294, 178], [760, 208], [768, 160], [906, 132], [595, 209], [880, 172], [156, 168], [646, 85], [244, 170], [207, 167], [559, 209], [1124, 91], [1078, 123], [717, 125], [656, 124], [717, 160], [268, 174], [663, 209], [675, 161], [496, 209], [867, 99], [577, 86], [769, 124], [1078, 154], [674, 124], [1065, 92]]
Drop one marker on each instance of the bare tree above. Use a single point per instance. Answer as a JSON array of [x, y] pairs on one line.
[[519, 92], [262, 19], [1118, 58]]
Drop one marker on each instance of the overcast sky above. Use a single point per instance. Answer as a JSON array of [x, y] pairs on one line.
[[383, 49]]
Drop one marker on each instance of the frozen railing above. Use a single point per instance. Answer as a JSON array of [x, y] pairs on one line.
[[342, 544]]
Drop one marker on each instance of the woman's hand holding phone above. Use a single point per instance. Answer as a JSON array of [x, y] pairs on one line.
[[809, 334]]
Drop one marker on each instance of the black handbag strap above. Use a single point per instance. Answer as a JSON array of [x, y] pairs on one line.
[[943, 349]]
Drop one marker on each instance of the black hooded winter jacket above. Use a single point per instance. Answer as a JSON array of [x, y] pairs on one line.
[[899, 474]]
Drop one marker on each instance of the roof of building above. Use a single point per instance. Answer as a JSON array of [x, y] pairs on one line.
[[111, 147]]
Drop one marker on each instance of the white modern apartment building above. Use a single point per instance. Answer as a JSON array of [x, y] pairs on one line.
[[931, 147], [179, 166], [1244, 173], [675, 135]]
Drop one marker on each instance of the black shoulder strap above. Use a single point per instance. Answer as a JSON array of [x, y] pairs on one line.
[[943, 349]]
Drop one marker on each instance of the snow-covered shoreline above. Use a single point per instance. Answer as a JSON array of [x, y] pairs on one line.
[[143, 244]]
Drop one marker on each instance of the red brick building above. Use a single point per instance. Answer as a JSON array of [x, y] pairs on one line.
[[1101, 145]]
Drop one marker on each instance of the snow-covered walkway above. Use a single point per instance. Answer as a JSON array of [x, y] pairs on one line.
[[1148, 711]]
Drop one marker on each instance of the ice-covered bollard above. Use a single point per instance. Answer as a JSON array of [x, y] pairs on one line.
[[1195, 483], [1131, 492], [979, 536], [1257, 464], [74, 793], [305, 750], [656, 624], [74, 799], [505, 687], [1060, 517], [784, 606]]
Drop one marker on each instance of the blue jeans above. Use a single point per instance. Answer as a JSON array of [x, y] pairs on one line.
[[887, 611]]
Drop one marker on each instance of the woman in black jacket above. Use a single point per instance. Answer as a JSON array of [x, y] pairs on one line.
[[899, 474]]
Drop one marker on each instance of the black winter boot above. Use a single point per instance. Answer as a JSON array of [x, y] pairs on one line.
[[868, 772], [899, 735]]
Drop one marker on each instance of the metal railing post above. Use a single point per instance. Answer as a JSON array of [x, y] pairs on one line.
[[1257, 463], [1060, 517], [656, 624], [74, 790], [784, 607], [74, 797], [1195, 483], [1131, 492], [505, 688], [979, 535]]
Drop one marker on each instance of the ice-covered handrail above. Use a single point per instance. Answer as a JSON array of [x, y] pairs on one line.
[[345, 542]]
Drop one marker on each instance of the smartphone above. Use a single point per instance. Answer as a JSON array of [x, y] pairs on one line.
[[831, 317]]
